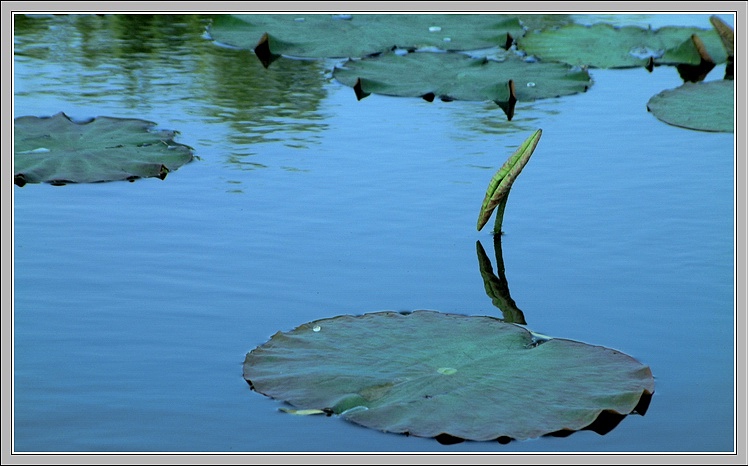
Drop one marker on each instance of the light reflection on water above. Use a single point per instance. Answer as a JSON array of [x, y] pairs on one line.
[[136, 302]]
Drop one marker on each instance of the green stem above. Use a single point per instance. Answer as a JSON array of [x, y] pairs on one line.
[[500, 215]]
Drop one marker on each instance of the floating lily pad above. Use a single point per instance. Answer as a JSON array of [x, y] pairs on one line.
[[359, 35], [704, 106], [431, 374], [453, 76], [607, 46], [58, 150]]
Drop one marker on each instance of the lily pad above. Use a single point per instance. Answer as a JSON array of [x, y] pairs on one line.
[[432, 374], [704, 106], [453, 76], [58, 150], [606, 46], [359, 35]]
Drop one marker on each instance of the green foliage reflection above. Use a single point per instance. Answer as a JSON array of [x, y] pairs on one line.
[[133, 65]]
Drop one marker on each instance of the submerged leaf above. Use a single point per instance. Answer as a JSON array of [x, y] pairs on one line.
[[704, 106], [499, 186], [431, 374], [58, 150]]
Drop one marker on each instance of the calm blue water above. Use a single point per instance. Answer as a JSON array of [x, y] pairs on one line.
[[135, 303]]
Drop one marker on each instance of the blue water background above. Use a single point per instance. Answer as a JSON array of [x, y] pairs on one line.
[[135, 303]]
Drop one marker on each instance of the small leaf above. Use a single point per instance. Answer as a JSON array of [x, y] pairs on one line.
[[58, 151], [727, 35], [704, 106], [501, 183]]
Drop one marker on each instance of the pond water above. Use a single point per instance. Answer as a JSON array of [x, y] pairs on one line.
[[135, 303]]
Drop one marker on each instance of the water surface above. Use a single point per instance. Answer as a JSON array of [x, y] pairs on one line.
[[135, 303]]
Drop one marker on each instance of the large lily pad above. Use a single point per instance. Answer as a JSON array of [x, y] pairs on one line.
[[606, 46], [359, 35], [704, 106], [452, 76], [58, 150], [432, 374]]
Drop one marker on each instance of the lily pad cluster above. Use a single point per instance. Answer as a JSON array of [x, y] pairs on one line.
[[460, 77], [449, 376], [58, 150], [533, 56], [381, 59]]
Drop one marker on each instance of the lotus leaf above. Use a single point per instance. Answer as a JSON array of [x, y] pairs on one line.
[[452, 76], [432, 374], [359, 35], [606, 46], [58, 150], [705, 106]]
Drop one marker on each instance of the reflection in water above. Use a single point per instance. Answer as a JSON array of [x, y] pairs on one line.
[[491, 119], [608, 420], [136, 60], [264, 105], [144, 64], [497, 288]]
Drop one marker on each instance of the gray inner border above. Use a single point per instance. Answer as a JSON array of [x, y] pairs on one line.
[[740, 210]]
